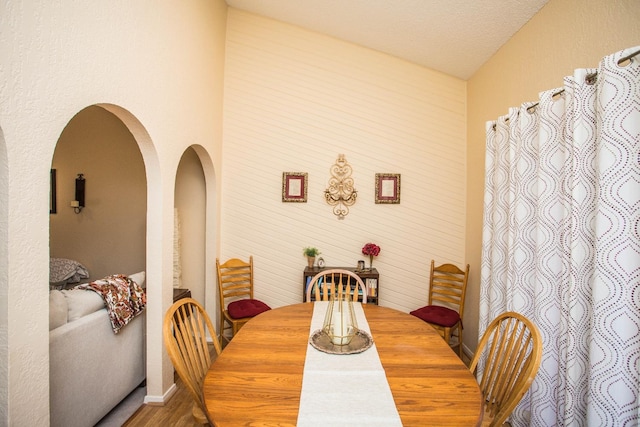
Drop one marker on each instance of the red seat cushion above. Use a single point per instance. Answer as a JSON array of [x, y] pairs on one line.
[[437, 315], [246, 308]]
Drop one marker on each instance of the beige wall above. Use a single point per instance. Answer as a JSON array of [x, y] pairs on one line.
[[108, 236], [564, 35], [157, 66], [294, 100]]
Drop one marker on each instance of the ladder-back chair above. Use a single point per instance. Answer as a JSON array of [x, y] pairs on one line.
[[445, 306], [235, 291]]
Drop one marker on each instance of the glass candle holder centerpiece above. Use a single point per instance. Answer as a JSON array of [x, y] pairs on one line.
[[340, 320]]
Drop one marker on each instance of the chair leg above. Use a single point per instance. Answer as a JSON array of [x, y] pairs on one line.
[[458, 333], [221, 330], [199, 416], [237, 326], [223, 327], [234, 330], [447, 335]]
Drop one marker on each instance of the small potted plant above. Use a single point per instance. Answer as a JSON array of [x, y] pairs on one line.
[[311, 253]]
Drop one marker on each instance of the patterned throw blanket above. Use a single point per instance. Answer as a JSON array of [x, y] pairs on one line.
[[124, 298]]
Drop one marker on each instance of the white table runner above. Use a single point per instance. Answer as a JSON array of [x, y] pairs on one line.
[[345, 390]]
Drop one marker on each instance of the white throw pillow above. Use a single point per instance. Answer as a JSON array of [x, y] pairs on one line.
[[57, 309], [82, 302]]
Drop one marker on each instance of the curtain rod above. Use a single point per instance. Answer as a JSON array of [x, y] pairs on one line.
[[628, 57], [589, 78]]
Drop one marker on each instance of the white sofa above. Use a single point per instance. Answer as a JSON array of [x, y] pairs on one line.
[[91, 369]]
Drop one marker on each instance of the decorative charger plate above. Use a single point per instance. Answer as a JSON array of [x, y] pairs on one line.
[[359, 343]]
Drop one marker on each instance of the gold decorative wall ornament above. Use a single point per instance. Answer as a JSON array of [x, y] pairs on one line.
[[340, 194]]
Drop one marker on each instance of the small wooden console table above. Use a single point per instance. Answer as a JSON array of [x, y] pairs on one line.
[[370, 277], [179, 293]]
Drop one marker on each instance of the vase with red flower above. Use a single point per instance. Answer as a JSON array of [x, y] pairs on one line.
[[371, 249]]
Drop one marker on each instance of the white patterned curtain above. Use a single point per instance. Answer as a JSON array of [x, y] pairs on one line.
[[561, 242]]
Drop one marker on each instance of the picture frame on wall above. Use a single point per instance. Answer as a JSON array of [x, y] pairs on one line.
[[53, 205], [294, 187], [388, 188]]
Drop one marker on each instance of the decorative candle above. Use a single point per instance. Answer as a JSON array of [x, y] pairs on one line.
[[338, 338]]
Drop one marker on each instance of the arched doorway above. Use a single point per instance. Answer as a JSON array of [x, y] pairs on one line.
[[190, 208], [195, 201], [158, 367], [108, 235]]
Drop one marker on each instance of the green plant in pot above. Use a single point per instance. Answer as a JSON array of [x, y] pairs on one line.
[[311, 253]]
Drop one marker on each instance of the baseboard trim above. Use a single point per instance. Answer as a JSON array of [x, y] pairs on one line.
[[161, 400], [468, 353]]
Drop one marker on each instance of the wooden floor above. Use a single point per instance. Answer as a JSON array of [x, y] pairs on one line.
[[175, 413]]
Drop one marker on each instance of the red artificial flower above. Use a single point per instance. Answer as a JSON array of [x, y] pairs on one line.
[[371, 249]]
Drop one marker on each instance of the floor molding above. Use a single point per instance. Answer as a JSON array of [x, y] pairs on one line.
[[160, 400]]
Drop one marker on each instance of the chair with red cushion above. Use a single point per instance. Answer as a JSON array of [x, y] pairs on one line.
[[444, 310], [235, 289]]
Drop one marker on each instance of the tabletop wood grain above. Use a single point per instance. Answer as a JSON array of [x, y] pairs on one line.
[[257, 379]]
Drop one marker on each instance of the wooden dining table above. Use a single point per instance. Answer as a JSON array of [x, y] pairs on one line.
[[257, 379]]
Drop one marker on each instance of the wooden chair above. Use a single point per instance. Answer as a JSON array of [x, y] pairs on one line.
[[185, 329], [514, 347], [328, 282], [445, 307], [235, 290]]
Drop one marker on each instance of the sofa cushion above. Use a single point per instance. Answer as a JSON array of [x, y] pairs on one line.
[[139, 278], [58, 309], [82, 302]]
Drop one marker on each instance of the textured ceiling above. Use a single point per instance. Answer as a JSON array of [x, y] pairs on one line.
[[452, 36]]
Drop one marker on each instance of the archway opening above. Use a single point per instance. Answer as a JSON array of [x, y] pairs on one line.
[[108, 235], [190, 225]]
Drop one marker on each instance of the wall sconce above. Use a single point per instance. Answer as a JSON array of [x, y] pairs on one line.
[[78, 203], [340, 194]]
